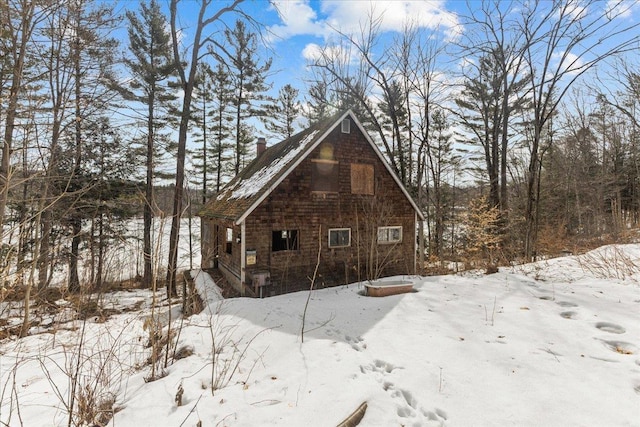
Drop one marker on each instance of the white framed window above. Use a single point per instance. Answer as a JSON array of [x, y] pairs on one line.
[[339, 237], [390, 234], [346, 126]]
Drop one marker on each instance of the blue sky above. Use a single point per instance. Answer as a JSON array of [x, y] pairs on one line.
[[296, 28]]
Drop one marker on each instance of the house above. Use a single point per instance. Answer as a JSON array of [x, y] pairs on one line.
[[323, 203]]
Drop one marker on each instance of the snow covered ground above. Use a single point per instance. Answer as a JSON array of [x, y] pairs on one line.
[[124, 256], [555, 343]]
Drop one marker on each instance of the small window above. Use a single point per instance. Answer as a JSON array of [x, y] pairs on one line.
[[389, 234], [325, 175], [339, 237], [346, 126], [284, 240], [361, 179], [229, 239]]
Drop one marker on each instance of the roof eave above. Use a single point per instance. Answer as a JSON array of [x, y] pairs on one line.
[[292, 166]]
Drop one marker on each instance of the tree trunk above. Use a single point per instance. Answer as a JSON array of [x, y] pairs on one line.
[[187, 84], [74, 278], [101, 245], [531, 234], [147, 277], [25, 28]]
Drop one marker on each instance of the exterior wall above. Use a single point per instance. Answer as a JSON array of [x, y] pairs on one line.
[[294, 206], [208, 243], [214, 248]]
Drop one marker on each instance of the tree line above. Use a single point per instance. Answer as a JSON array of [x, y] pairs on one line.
[[496, 106], [504, 130]]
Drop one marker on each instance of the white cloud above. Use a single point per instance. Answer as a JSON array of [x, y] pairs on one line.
[[348, 15], [299, 18], [575, 9], [622, 8], [313, 52], [568, 63]]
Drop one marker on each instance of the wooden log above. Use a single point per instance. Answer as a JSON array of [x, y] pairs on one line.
[[356, 416]]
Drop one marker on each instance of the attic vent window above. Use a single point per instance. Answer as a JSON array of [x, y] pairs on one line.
[[346, 126]]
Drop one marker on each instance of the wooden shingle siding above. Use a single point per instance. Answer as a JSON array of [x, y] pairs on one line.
[[325, 179], [293, 205]]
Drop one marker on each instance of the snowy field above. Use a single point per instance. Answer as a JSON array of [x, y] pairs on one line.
[[123, 257], [554, 343]]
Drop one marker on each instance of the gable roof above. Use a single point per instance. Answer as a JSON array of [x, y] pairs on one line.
[[254, 183]]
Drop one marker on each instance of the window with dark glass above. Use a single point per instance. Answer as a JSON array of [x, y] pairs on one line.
[[325, 170], [324, 175], [284, 240], [229, 240], [339, 237]]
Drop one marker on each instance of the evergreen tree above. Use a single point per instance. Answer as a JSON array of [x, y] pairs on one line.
[[393, 119], [318, 102], [111, 196], [212, 116], [92, 56], [283, 112], [439, 160], [248, 77], [151, 66], [187, 72], [18, 22]]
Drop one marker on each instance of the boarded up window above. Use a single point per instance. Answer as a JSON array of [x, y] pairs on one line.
[[361, 178], [325, 176]]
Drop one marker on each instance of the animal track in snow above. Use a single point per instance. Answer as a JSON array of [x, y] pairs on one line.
[[620, 347], [610, 327], [332, 331], [382, 366], [568, 314], [379, 366], [437, 415], [407, 406], [357, 343], [566, 304]]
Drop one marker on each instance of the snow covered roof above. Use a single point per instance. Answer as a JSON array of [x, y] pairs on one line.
[[255, 182]]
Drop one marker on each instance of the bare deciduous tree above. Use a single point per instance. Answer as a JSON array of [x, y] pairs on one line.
[[187, 71], [563, 40]]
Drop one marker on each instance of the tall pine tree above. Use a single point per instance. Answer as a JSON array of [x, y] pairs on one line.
[[282, 113], [212, 118], [151, 66], [248, 77]]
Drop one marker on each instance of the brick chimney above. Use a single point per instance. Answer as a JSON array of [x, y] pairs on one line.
[[261, 146]]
